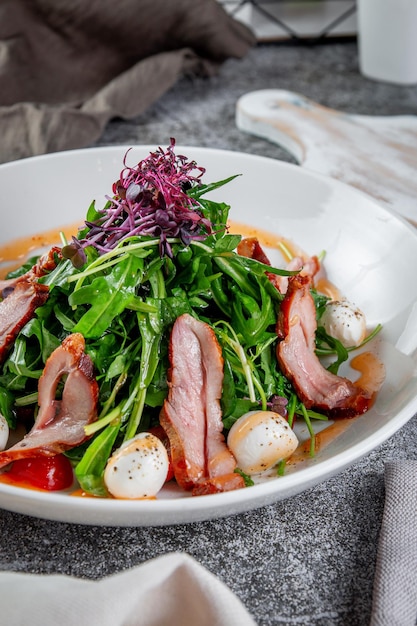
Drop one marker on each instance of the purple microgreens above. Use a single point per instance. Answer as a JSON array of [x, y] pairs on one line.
[[278, 404], [150, 200], [75, 252]]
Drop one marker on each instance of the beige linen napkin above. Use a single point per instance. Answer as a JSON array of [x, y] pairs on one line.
[[395, 583], [170, 590], [67, 68]]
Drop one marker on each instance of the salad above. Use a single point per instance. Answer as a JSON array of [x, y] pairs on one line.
[[157, 345]]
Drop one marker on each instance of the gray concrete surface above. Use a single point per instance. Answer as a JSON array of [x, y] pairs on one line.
[[308, 560]]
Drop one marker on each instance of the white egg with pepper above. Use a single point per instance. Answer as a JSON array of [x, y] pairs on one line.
[[4, 432], [138, 469], [259, 440], [344, 321]]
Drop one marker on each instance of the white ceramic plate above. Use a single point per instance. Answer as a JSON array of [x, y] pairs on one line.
[[370, 254]]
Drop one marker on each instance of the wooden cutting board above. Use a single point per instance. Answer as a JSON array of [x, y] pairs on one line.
[[375, 154]]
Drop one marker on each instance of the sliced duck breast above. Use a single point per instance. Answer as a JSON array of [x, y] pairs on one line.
[[316, 387], [45, 264], [308, 266], [21, 296], [60, 423], [191, 415], [17, 309]]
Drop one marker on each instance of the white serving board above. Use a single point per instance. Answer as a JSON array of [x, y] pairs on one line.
[[377, 155]]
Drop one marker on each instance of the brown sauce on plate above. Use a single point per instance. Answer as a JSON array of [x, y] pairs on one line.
[[14, 253]]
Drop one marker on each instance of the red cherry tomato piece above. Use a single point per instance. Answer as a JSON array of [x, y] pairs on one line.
[[52, 473]]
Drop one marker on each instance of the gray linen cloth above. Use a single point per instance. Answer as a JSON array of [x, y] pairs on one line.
[[172, 589], [67, 68], [395, 582]]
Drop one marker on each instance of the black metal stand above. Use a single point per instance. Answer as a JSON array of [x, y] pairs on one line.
[[292, 34]]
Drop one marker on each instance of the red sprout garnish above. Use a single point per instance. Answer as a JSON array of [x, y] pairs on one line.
[[150, 199], [278, 404], [75, 252]]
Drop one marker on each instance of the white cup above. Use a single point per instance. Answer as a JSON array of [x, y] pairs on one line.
[[387, 40]]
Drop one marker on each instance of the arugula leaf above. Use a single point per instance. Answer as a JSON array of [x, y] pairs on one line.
[[322, 337], [150, 330], [6, 406], [23, 362], [90, 469], [199, 190], [47, 341], [251, 317], [228, 243], [108, 296], [27, 265], [58, 277]]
